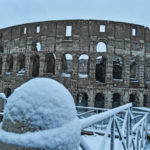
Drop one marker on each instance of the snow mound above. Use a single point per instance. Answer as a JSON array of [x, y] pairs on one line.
[[49, 107], [44, 102]]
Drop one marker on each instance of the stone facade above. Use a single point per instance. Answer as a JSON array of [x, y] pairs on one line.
[[114, 69]]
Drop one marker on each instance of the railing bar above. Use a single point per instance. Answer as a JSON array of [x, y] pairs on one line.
[[85, 112], [104, 115]]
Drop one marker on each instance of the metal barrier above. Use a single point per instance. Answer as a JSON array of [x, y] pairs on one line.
[[130, 127]]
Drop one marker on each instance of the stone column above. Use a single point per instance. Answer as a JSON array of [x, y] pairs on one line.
[[126, 71], [108, 99], [15, 70], [125, 97], [42, 61], [28, 65], [75, 67], [4, 65], [140, 98]]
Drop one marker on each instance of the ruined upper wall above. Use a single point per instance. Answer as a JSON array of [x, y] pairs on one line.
[[83, 32]]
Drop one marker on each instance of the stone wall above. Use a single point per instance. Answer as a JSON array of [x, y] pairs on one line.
[[41, 47]]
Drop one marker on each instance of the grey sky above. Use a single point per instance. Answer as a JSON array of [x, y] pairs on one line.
[[13, 12]]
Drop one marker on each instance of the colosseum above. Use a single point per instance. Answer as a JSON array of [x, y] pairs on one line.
[[102, 63]]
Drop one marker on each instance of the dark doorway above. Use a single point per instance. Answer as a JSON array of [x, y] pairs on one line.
[[99, 100], [116, 100]]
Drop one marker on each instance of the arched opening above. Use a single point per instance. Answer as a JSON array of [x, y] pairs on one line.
[[116, 100], [132, 69], [82, 99], [99, 100], [35, 66], [147, 70], [133, 99], [7, 92], [67, 65], [50, 63], [101, 47], [100, 72], [117, 67], [145, 100], [1, 49], [21, 64], [83, 66], [9, 64], [36, 46], [1, 64]]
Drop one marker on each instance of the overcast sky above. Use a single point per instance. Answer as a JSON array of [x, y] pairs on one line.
[[13, 12]]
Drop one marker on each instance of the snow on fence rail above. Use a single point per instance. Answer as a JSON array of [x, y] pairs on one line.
[[132, 132]]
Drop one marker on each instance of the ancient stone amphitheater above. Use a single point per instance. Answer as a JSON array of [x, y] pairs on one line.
[[102, 63]]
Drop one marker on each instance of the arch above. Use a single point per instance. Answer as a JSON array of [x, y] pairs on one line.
[[21, 63], [132, 69], [82, 99], [117, 67], [116, 100], [147, 70], [1, 49], [1, 64], [7, 91], [145, 100], [99, 100], [35, 66], [132, 99], [101, 47], [36, 46], [9, 63], [83, 66], [67, 64], [50, 63], [100, 73]]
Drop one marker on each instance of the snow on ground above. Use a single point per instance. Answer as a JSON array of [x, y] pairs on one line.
[[95, 142], [47, 104], [147, 147]]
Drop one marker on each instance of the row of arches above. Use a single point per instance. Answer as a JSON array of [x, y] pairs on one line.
[[99, 101], [49, 65], [68, 63]]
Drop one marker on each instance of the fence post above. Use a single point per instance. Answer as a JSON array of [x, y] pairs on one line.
[[112, 144], [129, 129]]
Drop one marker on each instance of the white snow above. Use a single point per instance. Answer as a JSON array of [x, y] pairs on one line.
[[84, 56], [68, 75], [21, 72], [95, 143], [68, 57], [66, 135], [38, 46], [8, 73], [143, 109], [48, 105], [83, 75], [2, 96], [101, 47]]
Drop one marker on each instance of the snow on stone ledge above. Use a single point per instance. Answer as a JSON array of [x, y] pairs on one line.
[[47, 104]]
